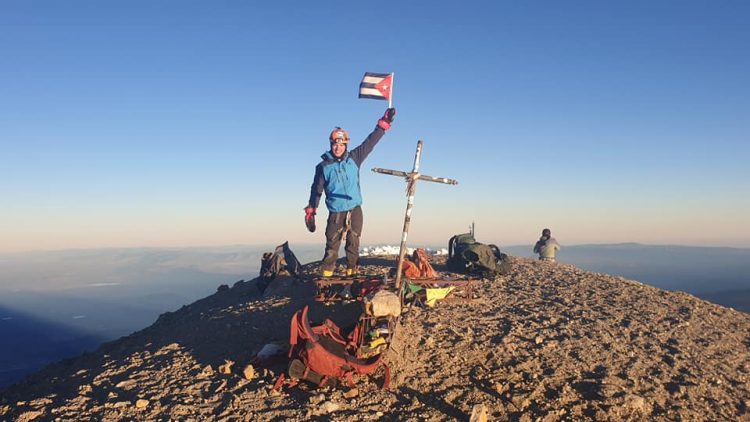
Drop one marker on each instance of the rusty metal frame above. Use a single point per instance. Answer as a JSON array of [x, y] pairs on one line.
[[323, 284]]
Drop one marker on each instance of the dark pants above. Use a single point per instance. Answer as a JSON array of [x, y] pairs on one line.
[[349, 222]]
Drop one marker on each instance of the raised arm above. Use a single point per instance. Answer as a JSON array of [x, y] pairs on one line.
[[361, 152]]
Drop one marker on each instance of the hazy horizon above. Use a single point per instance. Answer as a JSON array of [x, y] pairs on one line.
[[101, 268], [306, 244]]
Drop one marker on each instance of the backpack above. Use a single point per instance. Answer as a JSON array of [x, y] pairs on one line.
[[321, 353], [281, 261], [466, 255]]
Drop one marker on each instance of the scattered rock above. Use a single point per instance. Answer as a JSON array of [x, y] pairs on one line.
[[248, 372], [638, 404], [206, 372], [221, 387], [29, 416], [226, 368], [141, 403], [44, 401], [499, 389], [328, 407], [352, 393], [317, 399], [478, 413], [126, 385]]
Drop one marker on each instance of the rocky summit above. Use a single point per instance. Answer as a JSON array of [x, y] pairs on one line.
[[547, 342]]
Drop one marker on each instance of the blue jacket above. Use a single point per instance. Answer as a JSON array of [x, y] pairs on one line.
[[339, 177]]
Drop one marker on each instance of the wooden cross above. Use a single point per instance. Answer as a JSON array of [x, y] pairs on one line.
[[411, 180]]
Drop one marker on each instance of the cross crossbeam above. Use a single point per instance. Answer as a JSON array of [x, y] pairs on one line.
[[420, 176]]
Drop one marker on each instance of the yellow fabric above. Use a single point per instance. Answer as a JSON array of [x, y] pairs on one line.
[[377, 342], [433, 295], [327, 273]]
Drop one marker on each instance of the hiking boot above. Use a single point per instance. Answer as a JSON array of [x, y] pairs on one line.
[[297, 371], [326, 273]]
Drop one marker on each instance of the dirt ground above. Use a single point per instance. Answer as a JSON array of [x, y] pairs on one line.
[[547, 342]]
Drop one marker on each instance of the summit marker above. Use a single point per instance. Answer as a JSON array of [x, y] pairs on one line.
[[411, 185]]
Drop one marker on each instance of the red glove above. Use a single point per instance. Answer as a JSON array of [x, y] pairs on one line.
[[385, 121], [310, 218]]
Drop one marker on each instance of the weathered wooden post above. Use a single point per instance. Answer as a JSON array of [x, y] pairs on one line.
[[411, 180]]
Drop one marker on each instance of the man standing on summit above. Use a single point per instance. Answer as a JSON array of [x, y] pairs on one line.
[[338, 176]]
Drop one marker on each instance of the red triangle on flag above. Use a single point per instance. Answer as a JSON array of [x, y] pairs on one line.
[[384, 86]]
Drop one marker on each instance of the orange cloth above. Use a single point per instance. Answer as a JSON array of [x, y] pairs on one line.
[[418, 266], [410, 269]]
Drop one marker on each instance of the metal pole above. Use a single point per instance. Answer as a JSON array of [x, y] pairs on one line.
[[407, 218], [390, 94]]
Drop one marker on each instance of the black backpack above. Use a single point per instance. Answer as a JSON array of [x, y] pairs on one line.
[[279, 262], [466, 255]]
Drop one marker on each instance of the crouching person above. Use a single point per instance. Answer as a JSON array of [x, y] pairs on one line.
[[546, 246]]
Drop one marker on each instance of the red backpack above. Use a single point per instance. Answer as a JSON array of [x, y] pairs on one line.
[[325, 353]]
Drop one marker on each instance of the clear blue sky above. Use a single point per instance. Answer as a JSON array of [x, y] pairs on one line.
[[142, 123]]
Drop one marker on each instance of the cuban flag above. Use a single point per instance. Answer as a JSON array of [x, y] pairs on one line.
[[378, 86]]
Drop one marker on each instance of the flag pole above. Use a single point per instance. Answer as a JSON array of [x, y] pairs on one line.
[[390, 97]]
